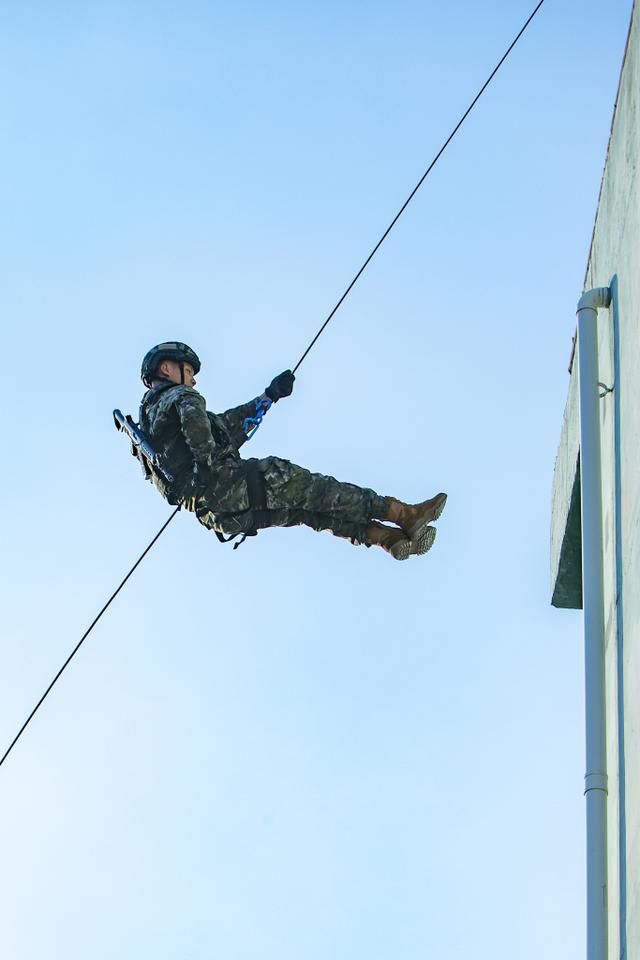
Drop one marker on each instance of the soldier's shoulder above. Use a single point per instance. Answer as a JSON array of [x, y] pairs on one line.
[[178, 390], [182, 392], [178, 393]]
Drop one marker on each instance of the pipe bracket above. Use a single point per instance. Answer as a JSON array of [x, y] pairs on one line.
[[595, 781], [604, 389]]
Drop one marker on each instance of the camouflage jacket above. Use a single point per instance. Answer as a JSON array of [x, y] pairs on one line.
[[180, 428]]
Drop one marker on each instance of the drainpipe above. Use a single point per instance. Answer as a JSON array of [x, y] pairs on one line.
[[620, 693], [593, 604]]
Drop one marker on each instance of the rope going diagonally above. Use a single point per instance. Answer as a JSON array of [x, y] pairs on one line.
[[85, 635], [304, 355], [418, 185]]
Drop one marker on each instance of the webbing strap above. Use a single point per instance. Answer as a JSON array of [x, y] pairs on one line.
[[256, 489], [259, 515]]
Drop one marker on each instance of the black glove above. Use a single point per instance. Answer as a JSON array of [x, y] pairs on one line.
[[280, 386], [200, 478]]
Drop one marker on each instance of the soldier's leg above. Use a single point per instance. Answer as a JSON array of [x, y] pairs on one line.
[[326, 501], [295, 495]]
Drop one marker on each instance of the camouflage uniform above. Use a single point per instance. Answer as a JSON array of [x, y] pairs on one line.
[[184, 433]]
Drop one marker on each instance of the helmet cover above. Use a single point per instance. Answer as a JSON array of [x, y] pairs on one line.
[[173, 350]]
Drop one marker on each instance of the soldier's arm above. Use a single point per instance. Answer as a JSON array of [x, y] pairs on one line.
[[234, 420], [238, 419], [195, 425]]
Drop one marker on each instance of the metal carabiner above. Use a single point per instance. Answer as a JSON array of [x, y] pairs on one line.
[[262, 405]]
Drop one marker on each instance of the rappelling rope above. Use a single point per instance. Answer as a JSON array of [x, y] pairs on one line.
[[307, 351], [85, 635], [418, 185]]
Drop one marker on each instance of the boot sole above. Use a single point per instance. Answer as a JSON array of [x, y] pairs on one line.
[[426, 541], [414, 548], [401, 550]]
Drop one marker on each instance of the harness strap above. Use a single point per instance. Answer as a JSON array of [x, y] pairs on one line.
[[259, 514], [256, 489]]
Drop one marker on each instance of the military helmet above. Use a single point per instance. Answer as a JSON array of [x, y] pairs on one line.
[[179, 352]]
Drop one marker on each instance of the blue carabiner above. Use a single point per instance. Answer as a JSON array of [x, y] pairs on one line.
[[262, 405]]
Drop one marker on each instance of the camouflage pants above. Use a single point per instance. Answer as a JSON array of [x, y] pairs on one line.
[[294, 496]]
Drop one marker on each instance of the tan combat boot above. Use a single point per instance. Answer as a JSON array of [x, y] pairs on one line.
[[396, 542], [414, 518]]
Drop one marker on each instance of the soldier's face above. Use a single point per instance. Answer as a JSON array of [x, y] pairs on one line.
[[170, 369]]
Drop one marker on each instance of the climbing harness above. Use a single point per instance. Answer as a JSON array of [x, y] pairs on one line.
[[152, 468], [180, 348], [258, 514]]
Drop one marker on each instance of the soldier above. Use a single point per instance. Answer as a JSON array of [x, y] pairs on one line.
[[236, 497]]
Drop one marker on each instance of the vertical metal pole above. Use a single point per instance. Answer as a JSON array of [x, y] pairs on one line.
[[593, 603], [622, 761]]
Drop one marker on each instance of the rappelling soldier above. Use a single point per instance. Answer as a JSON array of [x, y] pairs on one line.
[[234, 497]]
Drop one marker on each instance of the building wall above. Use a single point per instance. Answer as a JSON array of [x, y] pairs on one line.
[[615, 260]]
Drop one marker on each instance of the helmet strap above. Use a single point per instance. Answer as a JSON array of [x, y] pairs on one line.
[[181, 364]]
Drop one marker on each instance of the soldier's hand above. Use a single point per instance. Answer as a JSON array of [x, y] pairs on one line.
[[280, 386], [200, 478]]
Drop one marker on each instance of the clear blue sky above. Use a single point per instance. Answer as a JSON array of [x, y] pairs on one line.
[[298, 749]]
